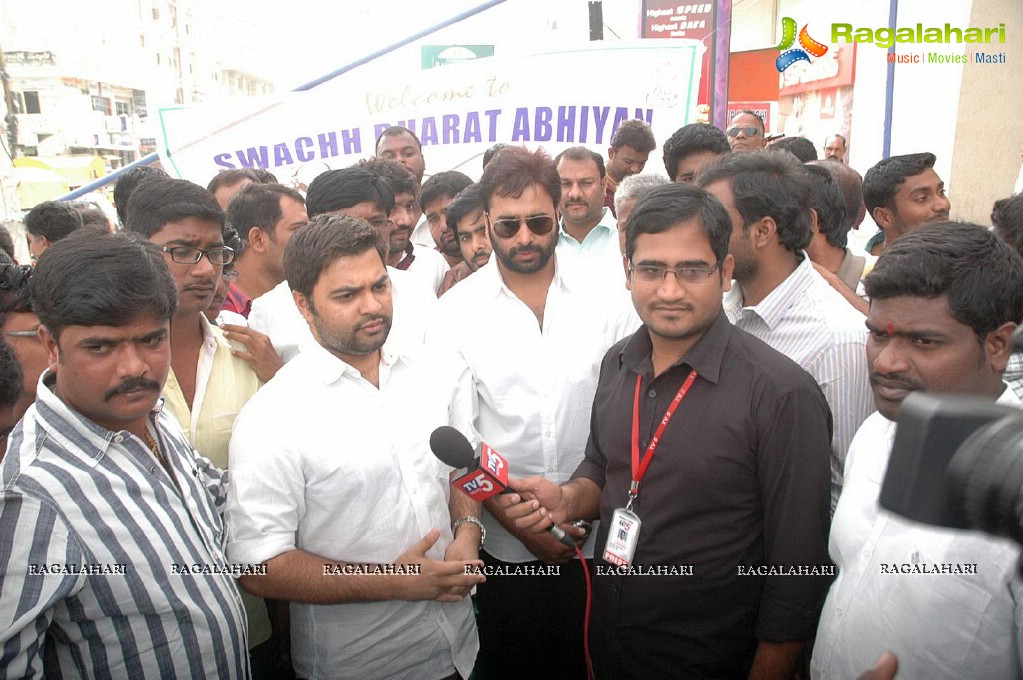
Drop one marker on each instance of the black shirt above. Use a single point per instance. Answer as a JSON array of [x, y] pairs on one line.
[[740, 479]]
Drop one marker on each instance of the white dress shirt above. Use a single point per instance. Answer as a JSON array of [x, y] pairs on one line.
[[599, 255], [276, 315], [428, 268], [810, 322], [531, 388], [422, 236], [323, 461], [941, 626]]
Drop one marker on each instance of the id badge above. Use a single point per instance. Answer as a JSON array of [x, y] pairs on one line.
[[622, 537]]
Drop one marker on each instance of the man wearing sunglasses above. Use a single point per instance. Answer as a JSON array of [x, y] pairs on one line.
[[746, 132], [523, 340], [207, 384]]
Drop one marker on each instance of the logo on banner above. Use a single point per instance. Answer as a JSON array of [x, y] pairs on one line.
[[808, 46]]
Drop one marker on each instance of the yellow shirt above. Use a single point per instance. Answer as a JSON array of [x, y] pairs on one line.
[[223, 383]]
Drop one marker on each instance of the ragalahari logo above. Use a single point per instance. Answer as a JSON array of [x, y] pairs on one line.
[[788, 57]]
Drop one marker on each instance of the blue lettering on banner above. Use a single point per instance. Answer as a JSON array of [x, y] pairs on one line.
[[573, 124]]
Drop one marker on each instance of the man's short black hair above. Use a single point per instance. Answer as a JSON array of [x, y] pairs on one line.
[[760, 119], [401, 179], [259, 205], [14, 290], [1007, 219], [96, 279], [882, 181], [514, 170], [800, 147], [978, 273], [635, 134], [447, 183], [161, 200], [465, 202], [52, 220], [826, 200], [767, 184], [228, 178], [322, 242], [6, 242], [692, 139], [665, 206], [582, 154], [394, 131], [92, 215], [12, 379], [126, 185], [341, 189], [489, 154]]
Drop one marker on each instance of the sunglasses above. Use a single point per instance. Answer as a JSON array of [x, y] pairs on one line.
[[508, 227], [748, 130]]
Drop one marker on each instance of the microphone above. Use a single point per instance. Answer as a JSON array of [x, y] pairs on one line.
[[485, 476]]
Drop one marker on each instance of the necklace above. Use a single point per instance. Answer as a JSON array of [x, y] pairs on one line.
[[147, 436]]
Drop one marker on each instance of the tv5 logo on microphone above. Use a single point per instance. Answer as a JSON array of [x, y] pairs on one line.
[[488, 478]]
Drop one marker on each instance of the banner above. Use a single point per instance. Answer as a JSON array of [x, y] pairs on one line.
[[554, 100]]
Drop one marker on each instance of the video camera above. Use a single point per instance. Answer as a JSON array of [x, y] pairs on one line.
[[957, 462]]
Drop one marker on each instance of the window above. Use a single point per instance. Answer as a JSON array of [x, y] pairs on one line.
[[31, 102], [156, 13], [101, 104], [122, 108]]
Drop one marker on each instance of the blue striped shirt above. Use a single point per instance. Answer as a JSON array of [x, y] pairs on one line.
[[805, 319], [99, 551]]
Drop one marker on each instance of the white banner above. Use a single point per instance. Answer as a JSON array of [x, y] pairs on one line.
[[554, 100]]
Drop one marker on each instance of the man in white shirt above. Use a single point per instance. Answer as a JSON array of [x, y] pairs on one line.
[[349, 513], [425, 265], [357, 192], [944, 301], [528, 338], [589, 231], [779, 297]]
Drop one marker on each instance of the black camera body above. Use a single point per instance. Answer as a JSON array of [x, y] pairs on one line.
[[957, 462]]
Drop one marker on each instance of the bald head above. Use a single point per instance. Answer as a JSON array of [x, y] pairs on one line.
[[851, 185]]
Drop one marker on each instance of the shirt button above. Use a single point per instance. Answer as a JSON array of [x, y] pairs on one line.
[[547, 433], [152, 470], [551, 468], [119, 438], [652, 394]]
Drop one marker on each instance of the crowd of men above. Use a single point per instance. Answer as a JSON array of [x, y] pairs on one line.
[[217, 419]]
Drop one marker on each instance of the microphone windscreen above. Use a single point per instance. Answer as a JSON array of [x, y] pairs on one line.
[[452, 447]]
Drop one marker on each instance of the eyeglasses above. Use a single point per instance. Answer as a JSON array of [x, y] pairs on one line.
[[748, 130], [22, 334], [506, 228], [219, 256], [651, 273], [230, 274]]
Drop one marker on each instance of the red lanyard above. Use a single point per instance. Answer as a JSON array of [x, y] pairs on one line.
[[639, 468]]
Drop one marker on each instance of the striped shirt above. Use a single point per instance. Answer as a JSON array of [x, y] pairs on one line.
[[107, 569], [805, 319]]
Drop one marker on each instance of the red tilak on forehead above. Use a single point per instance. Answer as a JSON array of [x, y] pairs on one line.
[[891, 328]]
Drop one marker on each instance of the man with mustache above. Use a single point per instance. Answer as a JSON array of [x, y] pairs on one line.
[[901, 193], [944, 301], [208, 383], [589, 231], [335, 502], [465, 221], [523, 337], [106, 505]]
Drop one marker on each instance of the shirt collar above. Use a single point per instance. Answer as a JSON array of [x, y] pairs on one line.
[[607, 223], [330, 368], [772, 308], [492, 282], [705, 356], [78, 434], [212, 335]]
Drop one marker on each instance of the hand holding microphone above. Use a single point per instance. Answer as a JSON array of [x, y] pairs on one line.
[[485, 477]]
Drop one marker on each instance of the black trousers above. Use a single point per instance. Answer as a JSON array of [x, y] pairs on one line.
[[531, 626]]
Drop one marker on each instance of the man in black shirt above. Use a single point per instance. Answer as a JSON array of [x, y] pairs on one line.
[[717, 561]]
